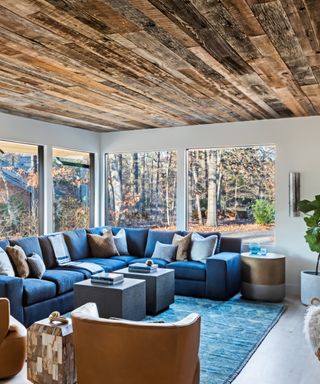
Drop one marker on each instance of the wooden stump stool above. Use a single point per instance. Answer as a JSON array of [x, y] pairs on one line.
[[50, 358]]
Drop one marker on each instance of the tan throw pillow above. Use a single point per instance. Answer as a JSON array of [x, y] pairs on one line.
[[102, 246], [19, 261], [183, 243]]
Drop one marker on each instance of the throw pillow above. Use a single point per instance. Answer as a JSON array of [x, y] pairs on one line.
[[164, 251], [120, 240], [6, 267], [202, 247], [102, 246], [183, 243], [60, 249], [19, 260], [36, 265]]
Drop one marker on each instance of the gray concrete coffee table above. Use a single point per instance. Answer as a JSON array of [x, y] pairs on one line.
[[159, 288], [126, 300]]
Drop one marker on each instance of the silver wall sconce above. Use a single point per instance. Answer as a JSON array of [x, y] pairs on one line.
[[294, 193]]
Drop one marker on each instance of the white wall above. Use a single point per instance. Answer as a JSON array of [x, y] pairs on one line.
[[29, 131], [297, 141]]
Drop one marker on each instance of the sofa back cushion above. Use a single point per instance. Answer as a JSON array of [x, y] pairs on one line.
[[77, 244], [4, 244], [47, 252], [206, 234], [30, 245], [164, 237], [136, 240]]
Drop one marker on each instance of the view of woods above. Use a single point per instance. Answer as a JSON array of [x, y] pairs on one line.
[[231, 187], [71, 189], [19, 190], [141, 189]]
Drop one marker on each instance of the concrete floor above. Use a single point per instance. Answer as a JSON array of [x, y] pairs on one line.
[[284, 357]]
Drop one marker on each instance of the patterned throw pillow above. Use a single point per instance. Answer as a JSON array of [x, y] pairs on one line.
[[6, 267], [183, 243], [202, 247], [102, 246], [60, 249], [120, 240], [36, 265], [19, 261], [164, 251]]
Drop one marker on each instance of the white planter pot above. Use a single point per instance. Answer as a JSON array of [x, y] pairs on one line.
[[310, 286]]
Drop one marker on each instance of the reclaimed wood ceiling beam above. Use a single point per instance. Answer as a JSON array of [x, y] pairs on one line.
[[108, 65]]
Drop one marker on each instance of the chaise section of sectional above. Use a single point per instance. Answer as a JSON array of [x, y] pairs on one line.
[[53, 292]]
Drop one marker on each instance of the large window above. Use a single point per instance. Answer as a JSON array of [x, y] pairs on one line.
[[19, 190], [141, 189], [233, 189], [71, 189]]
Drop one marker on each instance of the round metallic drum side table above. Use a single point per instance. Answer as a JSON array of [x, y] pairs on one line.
[[263, 277]]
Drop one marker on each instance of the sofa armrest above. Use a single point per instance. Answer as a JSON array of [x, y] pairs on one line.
[[12, 288], [223, 275]]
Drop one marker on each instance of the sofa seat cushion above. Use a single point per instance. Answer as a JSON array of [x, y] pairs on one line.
[[63, 280], [35, 291], [126, 259], [161, 262], [189, 270], [108, 264]]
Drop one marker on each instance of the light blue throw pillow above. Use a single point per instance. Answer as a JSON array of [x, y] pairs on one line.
[[202, 247], [36, 265], [120, 241], [165, 251]]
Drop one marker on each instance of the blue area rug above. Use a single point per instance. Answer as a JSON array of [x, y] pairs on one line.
[[231, 331]]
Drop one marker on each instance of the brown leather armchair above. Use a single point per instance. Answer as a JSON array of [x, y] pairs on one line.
[[117, 351], [13, 342]]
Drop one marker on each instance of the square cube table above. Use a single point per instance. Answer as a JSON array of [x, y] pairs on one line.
[[50, 353], [159, 288], [126, 300]]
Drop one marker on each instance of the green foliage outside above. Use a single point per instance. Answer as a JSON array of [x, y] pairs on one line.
[[312, 211], [263, 211]]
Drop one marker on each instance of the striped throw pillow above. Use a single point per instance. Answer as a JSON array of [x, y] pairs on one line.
[[60, 249]]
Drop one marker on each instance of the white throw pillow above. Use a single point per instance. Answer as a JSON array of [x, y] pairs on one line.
[[202, 247], [166, 252], [6, 267]]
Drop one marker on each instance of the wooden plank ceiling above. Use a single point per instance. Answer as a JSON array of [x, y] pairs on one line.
[[108, 65]]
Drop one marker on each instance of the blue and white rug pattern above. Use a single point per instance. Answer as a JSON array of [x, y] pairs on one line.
[[231, 331]]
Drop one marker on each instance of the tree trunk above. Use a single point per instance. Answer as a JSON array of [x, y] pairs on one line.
[[195, 173], [212, 190]]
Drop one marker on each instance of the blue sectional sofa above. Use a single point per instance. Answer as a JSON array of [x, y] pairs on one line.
[[33, 299]]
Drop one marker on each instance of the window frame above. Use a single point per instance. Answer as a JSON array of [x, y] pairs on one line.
[[41, 178], [92, 186], [230, 146], [106, 176]]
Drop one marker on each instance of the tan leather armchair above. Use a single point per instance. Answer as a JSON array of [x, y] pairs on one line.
[[13, 342], [127, 352]]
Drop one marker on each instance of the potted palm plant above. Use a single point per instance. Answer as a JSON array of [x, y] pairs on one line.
[[310, 280]]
